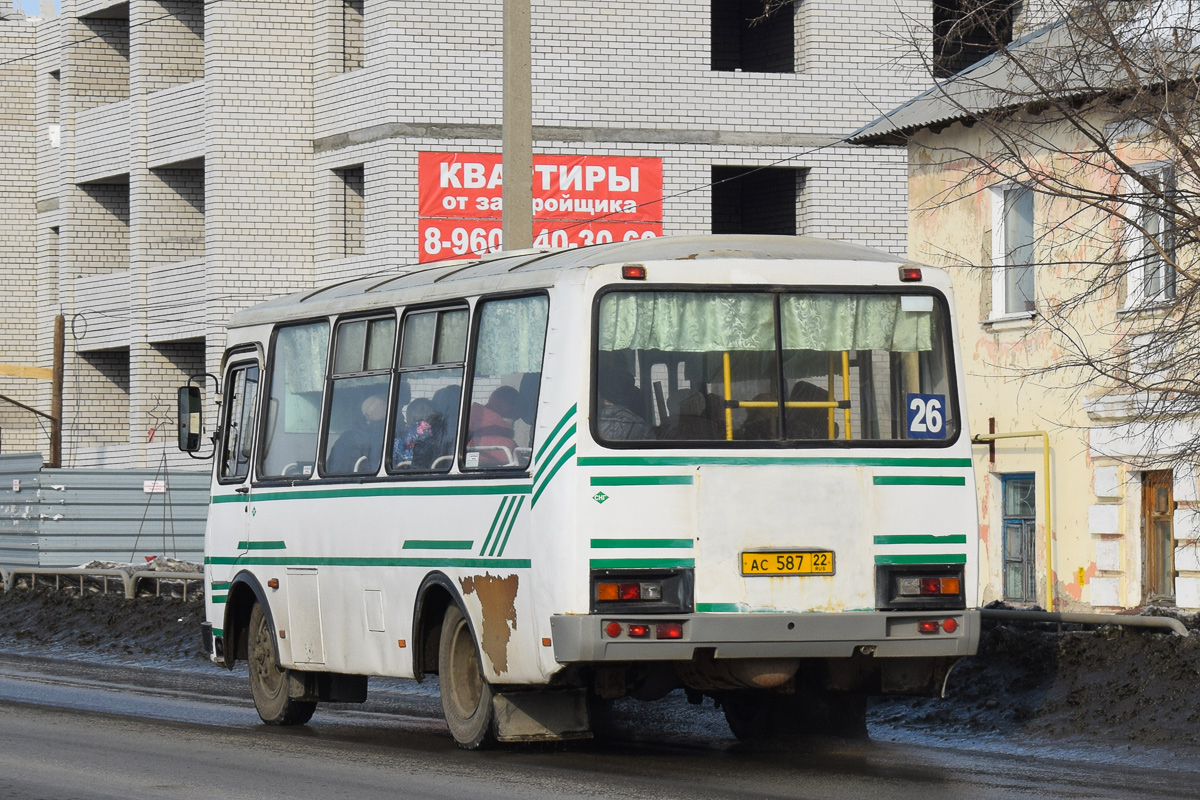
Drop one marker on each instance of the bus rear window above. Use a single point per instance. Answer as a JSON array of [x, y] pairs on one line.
[[805, 368]]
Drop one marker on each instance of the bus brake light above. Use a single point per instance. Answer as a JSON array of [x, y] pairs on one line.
[[669, 630], [928, 626], [639, 630]]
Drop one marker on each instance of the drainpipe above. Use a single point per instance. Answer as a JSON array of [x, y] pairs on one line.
[[989, 439]]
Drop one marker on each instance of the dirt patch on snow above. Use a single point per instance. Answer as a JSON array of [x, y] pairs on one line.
[[54, 621], [1039, 683]]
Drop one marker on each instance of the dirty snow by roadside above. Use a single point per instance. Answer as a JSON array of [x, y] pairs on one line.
[[1111, 691]]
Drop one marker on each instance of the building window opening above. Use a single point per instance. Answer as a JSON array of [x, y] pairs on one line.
[[353, 45], [756, 200], [1020, 577], [747, 38], [351, 213], [966, 31]]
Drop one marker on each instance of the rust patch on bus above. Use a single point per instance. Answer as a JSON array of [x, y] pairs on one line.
[[497, 599]]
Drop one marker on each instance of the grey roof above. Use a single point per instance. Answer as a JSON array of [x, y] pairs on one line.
[[987, 85], [433, 281], [1129, 48]]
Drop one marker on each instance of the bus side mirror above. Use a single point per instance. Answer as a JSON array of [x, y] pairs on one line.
[[190, 419]]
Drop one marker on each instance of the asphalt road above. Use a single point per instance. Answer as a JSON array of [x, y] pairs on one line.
[[88, 731]]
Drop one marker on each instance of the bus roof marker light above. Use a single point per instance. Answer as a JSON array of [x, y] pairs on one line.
[[910, 274], [633, 272]]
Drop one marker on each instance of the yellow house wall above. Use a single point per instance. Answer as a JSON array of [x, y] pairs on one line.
[[1012, 377]]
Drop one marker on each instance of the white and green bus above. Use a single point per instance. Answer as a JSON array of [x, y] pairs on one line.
[[733, 466]]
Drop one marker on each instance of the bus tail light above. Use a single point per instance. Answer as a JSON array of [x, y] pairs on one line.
[[669, 630], [928, 626], [639, 630], [899, 587], [638, 592]]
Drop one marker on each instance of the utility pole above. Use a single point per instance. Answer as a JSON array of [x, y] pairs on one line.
[[56, 393], [518, 127]]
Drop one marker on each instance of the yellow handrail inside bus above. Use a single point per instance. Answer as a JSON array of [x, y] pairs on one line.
[[728, 397], [832, 403], [846, 391]]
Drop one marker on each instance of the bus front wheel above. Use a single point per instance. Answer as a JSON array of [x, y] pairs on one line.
[[269, 681], [466, 696]]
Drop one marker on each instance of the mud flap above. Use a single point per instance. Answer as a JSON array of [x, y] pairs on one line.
[[915, 676], [541, 716], [329, 687]]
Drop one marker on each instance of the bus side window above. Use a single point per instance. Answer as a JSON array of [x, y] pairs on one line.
[[425, 418], [297, 376], [238, 430], [509, 345], [358, 396]]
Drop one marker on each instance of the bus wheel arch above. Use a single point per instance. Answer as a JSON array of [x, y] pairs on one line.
[[435, 595], [244, 593]]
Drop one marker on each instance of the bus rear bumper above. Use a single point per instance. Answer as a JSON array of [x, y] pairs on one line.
[[883, 634]]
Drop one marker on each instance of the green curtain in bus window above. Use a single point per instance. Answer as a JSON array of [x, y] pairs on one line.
[[512, 336], [857, 322], [696, 322]]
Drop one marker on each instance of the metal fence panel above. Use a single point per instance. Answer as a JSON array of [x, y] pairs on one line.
[[68, 517], [19, 509]]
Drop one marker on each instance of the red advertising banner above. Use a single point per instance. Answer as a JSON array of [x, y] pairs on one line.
[[577, 201]]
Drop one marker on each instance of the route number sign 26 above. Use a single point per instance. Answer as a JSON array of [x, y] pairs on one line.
[[926, 416]]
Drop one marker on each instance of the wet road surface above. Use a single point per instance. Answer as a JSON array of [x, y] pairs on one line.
[[70, 729]]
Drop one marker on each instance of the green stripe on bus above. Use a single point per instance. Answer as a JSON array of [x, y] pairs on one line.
[[495, 522], [718, 608], [262, 545], [604, 544], [922, 538], [503, 527], [512, 524], [544, 465], [644, 480], [434, 544], [565, 458], [642, 563], [951, 558], [218, 632], [920, 480], [513, 563], [229, 498], [813, 461], [392, 491], [570, 413], [220, 586], [219, 598]]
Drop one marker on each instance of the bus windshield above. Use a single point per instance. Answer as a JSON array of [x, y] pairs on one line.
[[801, 367]]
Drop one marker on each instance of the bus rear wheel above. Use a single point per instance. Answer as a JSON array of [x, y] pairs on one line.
[[269, 681], [466, 696]]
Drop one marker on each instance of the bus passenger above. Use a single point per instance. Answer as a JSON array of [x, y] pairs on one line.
[[359, 449], [490, 427], [616, 422], [420, 414]]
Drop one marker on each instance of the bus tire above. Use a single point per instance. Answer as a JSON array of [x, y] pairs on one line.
[[466, 695], [269, 681]]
